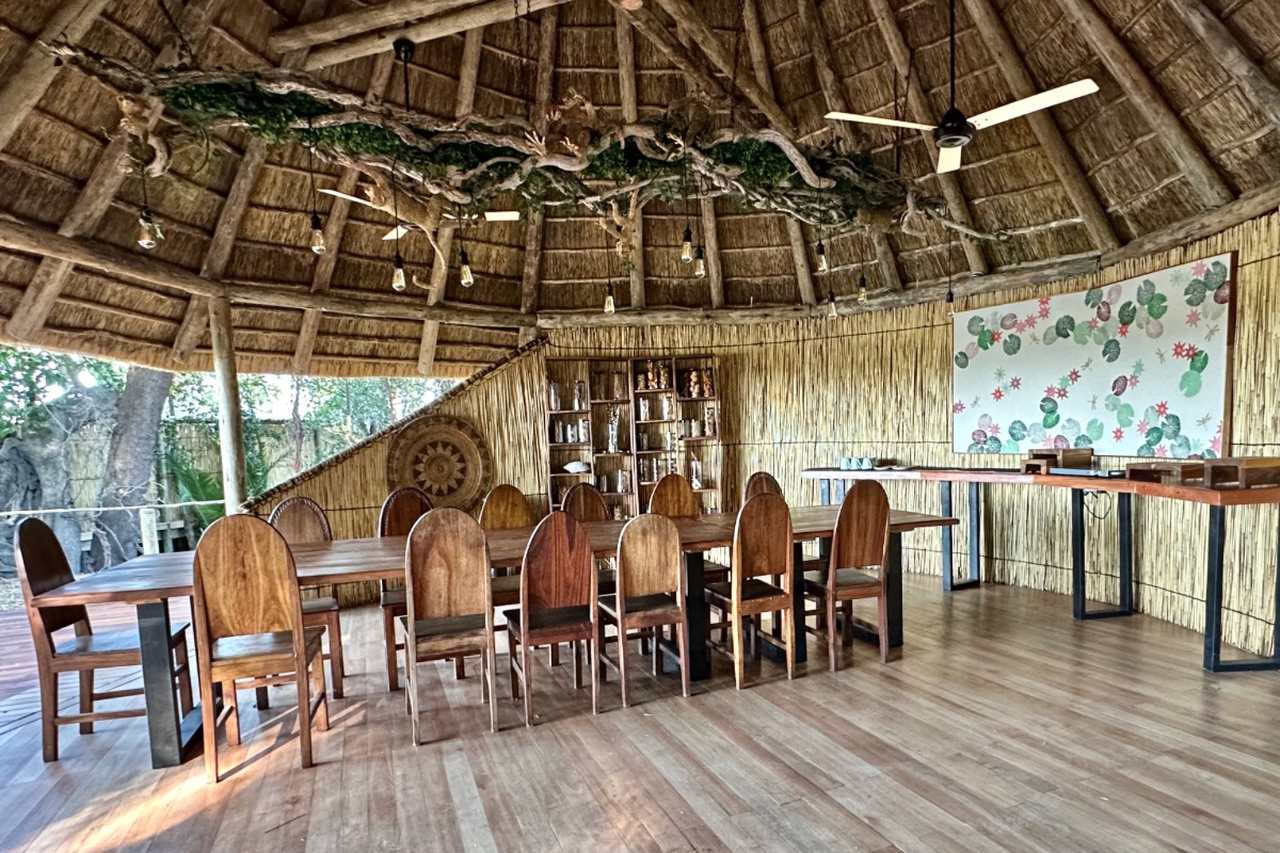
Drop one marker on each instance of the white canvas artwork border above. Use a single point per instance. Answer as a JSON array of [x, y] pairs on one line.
[[1137, 368]]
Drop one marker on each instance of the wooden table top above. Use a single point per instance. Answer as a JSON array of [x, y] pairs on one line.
[[1196, 494], [158, 576]]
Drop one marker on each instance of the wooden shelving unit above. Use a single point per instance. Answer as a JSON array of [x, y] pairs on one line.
[[661, 441]]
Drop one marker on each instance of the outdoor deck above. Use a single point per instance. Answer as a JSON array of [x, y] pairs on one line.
[[1005, 726]]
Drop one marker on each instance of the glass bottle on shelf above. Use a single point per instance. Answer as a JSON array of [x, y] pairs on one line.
[[695, 472], [579, 395], [553, 396]]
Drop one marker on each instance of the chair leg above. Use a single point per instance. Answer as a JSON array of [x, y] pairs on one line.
[[883, 608], [86, 699], [233, 716], [848, 624], [553, 656], [622, 663], [491, 656], [575, 649], [526, 679], [833, 647], [789, 631], [593, 664], [262, 698], [183, 662], [411, 697], [512, 648], [302, 677], [389, 632], [318, 686], [208, 716], [48, 713], [682, 639], [739, 653], [337, 668]]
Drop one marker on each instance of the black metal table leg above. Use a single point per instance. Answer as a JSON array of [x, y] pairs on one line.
[[1213, 595], [1079, 607], [797, 602], [171, 736], [949, 583], [698, 614]]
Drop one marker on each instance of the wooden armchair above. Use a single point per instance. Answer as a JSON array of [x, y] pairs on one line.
[[400, 511], [448, 601], [42, 567], [249, 628], [301, 521], [761, 547], [650, 591], [860, 541], [557, 604]]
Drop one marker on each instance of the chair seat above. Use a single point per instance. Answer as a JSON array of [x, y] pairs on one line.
[[114, 642], [393, 597], [556, 618], [714, 572], [639, 604], [250, 650], [752, 589], [816, 582], [328, 604]]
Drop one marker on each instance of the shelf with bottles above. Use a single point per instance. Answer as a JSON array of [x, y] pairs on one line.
[[571, 474], [569, 412], [569, 445]]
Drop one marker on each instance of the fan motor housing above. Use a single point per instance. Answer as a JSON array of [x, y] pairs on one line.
[[954, 130]]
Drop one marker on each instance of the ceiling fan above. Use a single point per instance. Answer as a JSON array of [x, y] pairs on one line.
[[956, 130], [402, 229]]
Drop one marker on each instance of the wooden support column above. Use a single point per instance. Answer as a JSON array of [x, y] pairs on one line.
[[230, 425], [833, 91], [711, 246], [98, 191], [1227, 50], [754, 29], [28, 82], [949, 184], [334, 226], [543, 93], [999, 43], [218, 253], [1148, 100], [631, 112], [463, 102]]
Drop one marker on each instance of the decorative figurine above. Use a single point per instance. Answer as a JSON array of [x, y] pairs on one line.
[[664, 375], [553, 396], [579, 395], [695, 384], [612, 435], [709, 421], [695, 472], [708, 388]]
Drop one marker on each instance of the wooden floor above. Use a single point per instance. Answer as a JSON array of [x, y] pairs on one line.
[[1005, 726]]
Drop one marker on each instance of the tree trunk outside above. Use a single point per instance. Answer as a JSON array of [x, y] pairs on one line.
[[130, 460]]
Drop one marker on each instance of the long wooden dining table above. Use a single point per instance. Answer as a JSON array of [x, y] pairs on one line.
[[149, 581]]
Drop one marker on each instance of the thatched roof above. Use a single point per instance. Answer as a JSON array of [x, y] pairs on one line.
[[1144, 177]]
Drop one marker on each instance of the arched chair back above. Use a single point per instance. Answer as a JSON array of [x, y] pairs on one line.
[[447, 567], [649, 558], [760, 483], [762, 540], [301, 521], [245, 581], [42, 567], [558, 568], [506, 508], [585, 503], [674, 497], [401, 510], [861, 537]]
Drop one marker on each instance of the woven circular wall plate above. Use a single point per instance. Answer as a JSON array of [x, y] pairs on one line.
[[445, 456]]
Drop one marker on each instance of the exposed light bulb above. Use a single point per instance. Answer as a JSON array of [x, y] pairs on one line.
[[149, 232], [398, 283], [862, 289], [699, 263], [831, 304], [824, 265], [951, 302], [317, 234], [686, 246], [609, 307], [465, 276]]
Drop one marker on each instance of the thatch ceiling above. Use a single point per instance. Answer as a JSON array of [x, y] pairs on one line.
[[1133, 173]]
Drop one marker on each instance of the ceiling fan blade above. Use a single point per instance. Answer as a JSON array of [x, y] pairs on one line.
[[501, 215], [886, 122], [1043, 100], [396, 233], [949, 159], [347, 196]]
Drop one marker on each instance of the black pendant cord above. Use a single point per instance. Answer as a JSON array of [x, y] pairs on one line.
[[311, 165], [173, 24], [395, 195], [953, 54]]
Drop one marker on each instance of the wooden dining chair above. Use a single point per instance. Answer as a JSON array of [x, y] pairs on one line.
[[249, 629], [650, 591], [42, 567], [506, 508], [302, 521], [584, 502], [674, 497], [400, 511], [761, 547], [859, 542], [448, 601], [557, 604], [760, 483]]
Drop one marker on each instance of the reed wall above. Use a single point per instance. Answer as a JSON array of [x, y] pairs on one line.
[[803, 394]]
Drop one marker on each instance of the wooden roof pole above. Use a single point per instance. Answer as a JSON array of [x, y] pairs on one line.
[[754, 29], [691, 63], [1000, 44], [334, 226], [833, 91], [227, 387], [362, 19], [707, 210], [1147, 99], [630, 112], [463, 103], [28, 82], [1228, 51], [949, 184], [457, 21], [218, 253], [543, 93], [95, 197]]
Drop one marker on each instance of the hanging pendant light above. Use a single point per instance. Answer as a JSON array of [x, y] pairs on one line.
[[824, 265], [317, 234], [831, 304], [465, 276], [699, 263], [398, 283], [609, 306], [317, 227], [149, 233], [403, 49], [862, 289], [686, 246]]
